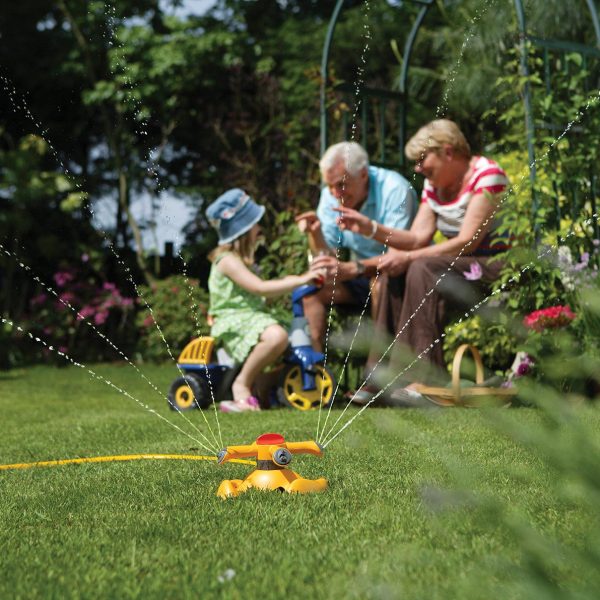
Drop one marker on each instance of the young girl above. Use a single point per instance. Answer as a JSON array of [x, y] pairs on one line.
[[241, 322]]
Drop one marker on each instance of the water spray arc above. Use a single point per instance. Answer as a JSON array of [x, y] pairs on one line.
[[105, 381], [358, 83], [85, 320], [22, 105]]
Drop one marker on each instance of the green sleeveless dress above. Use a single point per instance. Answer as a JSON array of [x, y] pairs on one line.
[[239, 316]]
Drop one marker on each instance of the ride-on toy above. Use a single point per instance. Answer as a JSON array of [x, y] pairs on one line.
[[305, 381]]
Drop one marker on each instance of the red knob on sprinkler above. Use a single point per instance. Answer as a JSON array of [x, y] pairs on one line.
[[273, 454]]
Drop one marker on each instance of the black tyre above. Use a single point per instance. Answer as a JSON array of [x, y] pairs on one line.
[[292, 394], [189, 392]]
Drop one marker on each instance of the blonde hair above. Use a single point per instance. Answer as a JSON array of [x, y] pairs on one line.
[[434, 136], [243, 246]]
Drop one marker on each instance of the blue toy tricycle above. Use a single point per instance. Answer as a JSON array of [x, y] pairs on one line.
[[305, 381]]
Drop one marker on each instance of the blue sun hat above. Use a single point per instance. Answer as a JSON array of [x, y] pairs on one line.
[[232, 214]]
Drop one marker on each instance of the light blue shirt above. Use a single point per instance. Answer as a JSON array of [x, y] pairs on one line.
[[392, 201]]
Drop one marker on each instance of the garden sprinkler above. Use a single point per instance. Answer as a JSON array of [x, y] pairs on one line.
[[273, 455]]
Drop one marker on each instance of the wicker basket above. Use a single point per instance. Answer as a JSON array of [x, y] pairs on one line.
[[456, 395]]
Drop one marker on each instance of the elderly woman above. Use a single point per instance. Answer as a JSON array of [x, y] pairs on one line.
[[460, 197]]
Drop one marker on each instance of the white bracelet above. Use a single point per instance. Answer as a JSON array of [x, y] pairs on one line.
[[374, 226]]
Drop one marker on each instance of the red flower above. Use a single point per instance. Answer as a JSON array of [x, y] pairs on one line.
[[549, 318]]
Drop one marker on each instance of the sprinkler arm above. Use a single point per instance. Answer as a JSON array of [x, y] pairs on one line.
[[305, 448], [262, 452], [231, 452]]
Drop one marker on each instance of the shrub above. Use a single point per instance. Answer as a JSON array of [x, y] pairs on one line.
[[177, 313], [10, 350], [75, 315]]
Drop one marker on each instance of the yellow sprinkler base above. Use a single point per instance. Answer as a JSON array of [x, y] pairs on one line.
[[273, 454]]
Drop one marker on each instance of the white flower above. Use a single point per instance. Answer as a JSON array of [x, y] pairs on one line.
[[567, 281], [564, 256]]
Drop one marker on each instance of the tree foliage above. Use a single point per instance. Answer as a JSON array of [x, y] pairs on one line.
[[111, 100]]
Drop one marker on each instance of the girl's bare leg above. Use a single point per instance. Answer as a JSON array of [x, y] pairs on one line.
[[272, 345]]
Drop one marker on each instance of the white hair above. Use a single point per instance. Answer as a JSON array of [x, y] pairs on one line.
[[351, 154]]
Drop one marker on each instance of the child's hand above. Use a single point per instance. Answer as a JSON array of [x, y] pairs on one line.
[[324, 263], [315, 276]]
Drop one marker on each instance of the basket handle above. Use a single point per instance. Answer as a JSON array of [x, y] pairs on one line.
[[456, 368]]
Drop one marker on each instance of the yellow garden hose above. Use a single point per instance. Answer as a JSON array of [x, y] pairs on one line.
[[117, 458]]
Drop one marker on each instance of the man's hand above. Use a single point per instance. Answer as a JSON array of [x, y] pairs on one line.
[[394, 262], [353, 220], [308, 222]]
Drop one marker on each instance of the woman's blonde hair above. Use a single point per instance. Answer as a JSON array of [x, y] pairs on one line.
[[243, 246], [434, 136]]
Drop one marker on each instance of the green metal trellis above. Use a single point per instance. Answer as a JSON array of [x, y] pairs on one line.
[[368, 94]]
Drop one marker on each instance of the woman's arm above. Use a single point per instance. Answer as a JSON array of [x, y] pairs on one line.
[[238, 272], [478, 219], [419, 235]]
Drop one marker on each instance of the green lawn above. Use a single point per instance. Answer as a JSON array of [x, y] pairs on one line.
[[157, 530]]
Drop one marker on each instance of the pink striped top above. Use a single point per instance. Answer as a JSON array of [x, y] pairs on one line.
[[487, 177]]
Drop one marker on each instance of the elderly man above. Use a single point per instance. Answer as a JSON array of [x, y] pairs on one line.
[[382, 196]]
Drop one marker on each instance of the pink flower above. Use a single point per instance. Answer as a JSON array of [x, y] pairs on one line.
[[109, 287], [85, 257], [549, 318], [61, 278], [100, 317], [85, 312], [108, 303], [522, 365], [148, 321], [524, 368], [475, 273], [67, 297], [40, 299]]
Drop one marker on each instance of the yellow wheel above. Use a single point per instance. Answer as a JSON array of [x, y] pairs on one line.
[[188, 392], [292, 393]]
